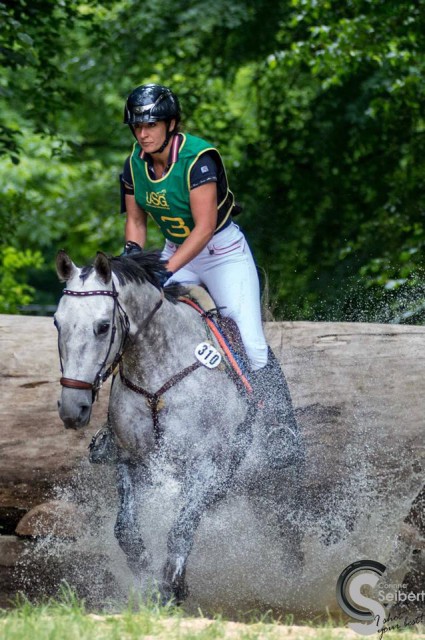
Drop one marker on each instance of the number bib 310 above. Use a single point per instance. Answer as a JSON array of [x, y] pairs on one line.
[[208, 355]]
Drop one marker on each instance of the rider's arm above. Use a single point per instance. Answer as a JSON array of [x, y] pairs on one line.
[[136, 222], [203, 204]]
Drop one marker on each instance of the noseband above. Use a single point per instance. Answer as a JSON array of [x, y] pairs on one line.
[[101, 375]]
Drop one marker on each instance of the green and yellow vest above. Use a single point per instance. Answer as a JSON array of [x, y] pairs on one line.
[[167, 200]]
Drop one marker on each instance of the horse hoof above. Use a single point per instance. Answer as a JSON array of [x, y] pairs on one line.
[[139, 563], [180, 591], [166, 596], [174, 596], [174, 585]]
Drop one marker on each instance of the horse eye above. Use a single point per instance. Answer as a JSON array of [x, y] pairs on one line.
[[56, 323], [102, 328]]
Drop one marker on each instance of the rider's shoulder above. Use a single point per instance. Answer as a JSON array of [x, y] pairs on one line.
[[194, 144]]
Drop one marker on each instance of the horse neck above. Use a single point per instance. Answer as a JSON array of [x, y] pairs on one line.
[[160, 342]]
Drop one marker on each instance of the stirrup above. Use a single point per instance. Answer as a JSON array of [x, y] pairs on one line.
[[103, 448]]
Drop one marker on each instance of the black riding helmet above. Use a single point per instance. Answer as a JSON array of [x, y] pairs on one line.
[[152, 103]]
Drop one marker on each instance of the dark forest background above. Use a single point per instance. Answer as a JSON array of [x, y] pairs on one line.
[[318, 108]]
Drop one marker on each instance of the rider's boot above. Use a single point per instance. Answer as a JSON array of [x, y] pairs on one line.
[[273, 399], [102, 448]]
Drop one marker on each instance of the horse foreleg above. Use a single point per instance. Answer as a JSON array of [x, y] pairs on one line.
[[127, 529], [202, 489]]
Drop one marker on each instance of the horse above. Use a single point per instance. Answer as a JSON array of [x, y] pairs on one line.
[[167, 404]]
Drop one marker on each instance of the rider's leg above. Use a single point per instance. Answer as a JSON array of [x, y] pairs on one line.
[[272, 393], [227, 268]]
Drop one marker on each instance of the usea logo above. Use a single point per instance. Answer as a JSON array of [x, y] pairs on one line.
[[157, 199]]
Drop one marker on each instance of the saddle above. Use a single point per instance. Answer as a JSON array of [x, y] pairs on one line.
[[199, 297]]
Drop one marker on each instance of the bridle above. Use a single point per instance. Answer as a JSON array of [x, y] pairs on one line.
[[103, 373], [124, 322]]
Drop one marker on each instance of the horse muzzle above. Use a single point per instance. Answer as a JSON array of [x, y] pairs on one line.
[[75, 407]]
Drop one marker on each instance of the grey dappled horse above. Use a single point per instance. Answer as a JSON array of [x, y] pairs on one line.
[[164, 405]]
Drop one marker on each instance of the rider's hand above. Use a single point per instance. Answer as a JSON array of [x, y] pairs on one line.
[[163, 276], [131, 247]]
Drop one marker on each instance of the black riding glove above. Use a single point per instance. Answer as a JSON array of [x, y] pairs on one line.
[[131, 247], [163, 276]]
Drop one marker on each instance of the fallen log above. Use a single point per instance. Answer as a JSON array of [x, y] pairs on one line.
[[357, 392], [37, 452]]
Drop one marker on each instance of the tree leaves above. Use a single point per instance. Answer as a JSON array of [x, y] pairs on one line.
[[317, 107]]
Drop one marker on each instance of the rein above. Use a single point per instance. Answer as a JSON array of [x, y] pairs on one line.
[[101, 376]]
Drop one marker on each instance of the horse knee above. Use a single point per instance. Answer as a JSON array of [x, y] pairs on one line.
[[126, 536], [133, 547]]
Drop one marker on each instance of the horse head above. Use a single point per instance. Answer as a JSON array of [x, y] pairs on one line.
[[92, 327]]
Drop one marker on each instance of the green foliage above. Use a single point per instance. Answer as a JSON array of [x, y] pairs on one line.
[[14, 291], [30, 50], [318, 109], [341, 112]]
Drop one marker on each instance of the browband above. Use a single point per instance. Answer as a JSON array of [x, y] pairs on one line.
[[95, 292]]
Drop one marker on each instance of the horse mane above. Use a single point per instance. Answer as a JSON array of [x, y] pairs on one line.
[[142, 267]]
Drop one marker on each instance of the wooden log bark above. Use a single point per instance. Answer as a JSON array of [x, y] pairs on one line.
[[358, 392], [37, 452], [368, 379]]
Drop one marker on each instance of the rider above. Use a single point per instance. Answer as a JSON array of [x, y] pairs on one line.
[[180, 181]]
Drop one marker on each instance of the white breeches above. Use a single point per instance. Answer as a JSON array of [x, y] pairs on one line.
[[226, 267]]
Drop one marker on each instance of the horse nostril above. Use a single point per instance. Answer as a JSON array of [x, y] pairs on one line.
[[85, 410], [75, 408]]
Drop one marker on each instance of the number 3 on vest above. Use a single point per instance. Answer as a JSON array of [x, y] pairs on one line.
[[177, 227]]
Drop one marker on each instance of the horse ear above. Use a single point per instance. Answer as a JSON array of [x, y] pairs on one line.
[[65, 268], [102, 267]]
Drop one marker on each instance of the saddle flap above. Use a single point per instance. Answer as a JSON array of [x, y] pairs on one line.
[[226, 326]]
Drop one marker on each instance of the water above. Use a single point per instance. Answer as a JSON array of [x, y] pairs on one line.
[[248, 554], [279, 541]]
